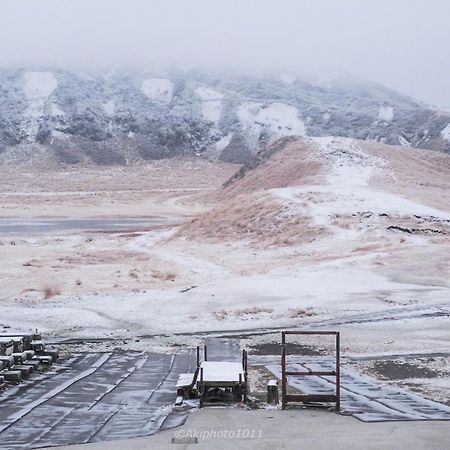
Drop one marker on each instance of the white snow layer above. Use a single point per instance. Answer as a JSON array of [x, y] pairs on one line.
[[223, 143], [109, 107], [211, 103], [206, 93], [445, 133], [278, 119], [386, 113], [37, 88], [348, 189], [39, 85], [56, 111], [404, 142], [212, 111], [222, 371], [158, 89]]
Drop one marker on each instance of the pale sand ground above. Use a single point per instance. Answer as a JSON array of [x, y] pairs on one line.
[[301, 240]]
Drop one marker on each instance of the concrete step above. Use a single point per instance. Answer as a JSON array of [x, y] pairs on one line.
[[30, 354], [7, 361], [25, 370], [46, 361], [13, 376], [34, 363], [53, 353], [19, 357]]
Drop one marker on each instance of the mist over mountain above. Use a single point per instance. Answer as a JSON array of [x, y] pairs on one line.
[[61, 117]]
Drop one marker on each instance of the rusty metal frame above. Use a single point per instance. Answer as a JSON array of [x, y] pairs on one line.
[[307, 398]]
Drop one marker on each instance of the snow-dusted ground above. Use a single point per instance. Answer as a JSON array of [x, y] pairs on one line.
[[211, 103], [278, 119], [386, 290], [158, 89], [38, 86], [386, 113], [446, 132]]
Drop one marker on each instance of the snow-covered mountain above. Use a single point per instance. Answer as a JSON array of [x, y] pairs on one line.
[[123, 117]]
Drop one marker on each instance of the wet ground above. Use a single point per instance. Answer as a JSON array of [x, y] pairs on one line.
[[401, 370], [40, 226], [291, 348]]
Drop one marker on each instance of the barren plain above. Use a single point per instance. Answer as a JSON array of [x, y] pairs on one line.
[[319, 233]]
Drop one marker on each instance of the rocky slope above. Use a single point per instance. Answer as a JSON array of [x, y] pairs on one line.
[[123, 117]]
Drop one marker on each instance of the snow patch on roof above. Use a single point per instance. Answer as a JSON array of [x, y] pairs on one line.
[[386, 113], [445, 133], [277, 119], [158, 89]]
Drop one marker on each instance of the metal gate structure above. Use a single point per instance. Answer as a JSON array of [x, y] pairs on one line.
[[309, 398]]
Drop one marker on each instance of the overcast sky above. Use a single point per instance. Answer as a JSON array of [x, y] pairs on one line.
[[403, 44]]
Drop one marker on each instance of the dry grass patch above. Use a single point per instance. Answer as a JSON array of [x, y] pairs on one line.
[[50, 292], [253, 311], [287, 162], [220, 315], [164, 276], [300, 312], [259, 218], [133, 274]]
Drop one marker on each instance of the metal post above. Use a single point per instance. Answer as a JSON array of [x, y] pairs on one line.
[[272, 392], [201, 388], [244, 366], [338, 372], [198, 356], [204, 350], [245, 387], [244, 360]]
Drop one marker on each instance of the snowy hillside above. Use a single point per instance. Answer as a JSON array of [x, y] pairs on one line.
[[124, 117]]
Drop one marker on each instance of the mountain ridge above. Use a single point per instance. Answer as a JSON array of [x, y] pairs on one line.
[[126, 116]]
